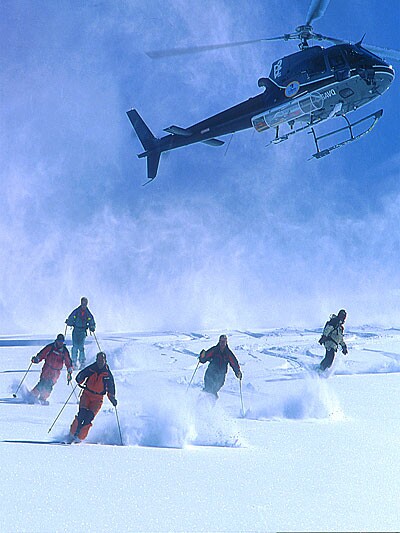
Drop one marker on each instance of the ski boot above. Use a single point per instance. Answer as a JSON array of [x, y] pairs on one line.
[[31, 398]]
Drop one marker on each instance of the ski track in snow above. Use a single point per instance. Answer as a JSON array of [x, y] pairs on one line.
[[153, 370]]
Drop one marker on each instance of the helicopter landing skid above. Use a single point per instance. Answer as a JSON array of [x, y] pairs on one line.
[[349, 127], [280, 138]]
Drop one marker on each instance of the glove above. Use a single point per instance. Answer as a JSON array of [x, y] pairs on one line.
[[35, 359], [345, 351], [202, 353], [92, 330], [239, 374], [113, 400], [69, 377], [322, 340]]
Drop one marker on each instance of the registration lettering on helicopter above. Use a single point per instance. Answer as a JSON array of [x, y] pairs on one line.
[[328, 94]]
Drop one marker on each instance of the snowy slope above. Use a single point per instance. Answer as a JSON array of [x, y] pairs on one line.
[[310, 453]]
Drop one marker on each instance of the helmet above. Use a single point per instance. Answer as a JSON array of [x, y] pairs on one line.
[[60, 337]]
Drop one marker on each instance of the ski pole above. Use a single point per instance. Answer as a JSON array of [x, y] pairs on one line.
[[76, 397], [94, 334], [241, 397], [26, 373], [119, 427], [62, 409], [195, 370], [65, 332]]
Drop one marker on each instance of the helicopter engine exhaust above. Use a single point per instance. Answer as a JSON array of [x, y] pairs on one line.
[[290, 111]]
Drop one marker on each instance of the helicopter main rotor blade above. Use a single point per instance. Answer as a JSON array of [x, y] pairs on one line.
[[316, 10], [385, 53], [157, 54], [320, 37]]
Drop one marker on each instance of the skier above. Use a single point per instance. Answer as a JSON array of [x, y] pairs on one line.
[[219, 357], [332, 338], [80, 319], [97, 381], [55, 355]]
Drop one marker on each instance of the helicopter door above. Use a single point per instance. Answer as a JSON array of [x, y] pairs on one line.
[[338, 64]]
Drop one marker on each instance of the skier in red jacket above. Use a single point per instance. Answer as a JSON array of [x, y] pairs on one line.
[[55, 355], [98, 381], [219, 357]]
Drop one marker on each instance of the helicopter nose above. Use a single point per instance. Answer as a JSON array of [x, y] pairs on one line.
[[383, 78]]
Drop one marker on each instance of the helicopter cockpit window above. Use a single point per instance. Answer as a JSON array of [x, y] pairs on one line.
[[372, 55], [357, 59], [336, 60]]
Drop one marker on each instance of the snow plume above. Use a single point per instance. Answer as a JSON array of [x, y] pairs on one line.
[[158, 408], [171, 419], [160, 420], [297, 400], [23, 395], [188, 265]]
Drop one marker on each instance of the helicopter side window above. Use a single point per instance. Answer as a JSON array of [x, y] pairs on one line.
[[316, 66], [310, 68], [336, 60]]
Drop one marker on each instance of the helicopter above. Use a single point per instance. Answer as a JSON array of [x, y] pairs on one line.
[[302, 90]]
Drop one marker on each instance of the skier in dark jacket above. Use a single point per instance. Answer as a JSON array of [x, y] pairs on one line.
[[81, 319], [55, 356], [97, 381], [219, 357], [332, 338]]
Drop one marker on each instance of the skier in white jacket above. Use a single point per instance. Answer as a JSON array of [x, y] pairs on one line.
[[332, 338]]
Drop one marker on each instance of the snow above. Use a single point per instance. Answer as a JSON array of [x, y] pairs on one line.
[[311, 453]]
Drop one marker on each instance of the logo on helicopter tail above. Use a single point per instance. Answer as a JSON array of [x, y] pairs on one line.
[[278, 69], [292, 89]]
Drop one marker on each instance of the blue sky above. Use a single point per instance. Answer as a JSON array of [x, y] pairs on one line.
[[247, 237]]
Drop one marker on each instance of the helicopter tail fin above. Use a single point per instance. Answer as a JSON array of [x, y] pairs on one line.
[[153, 160], [142, 131], [149, 143]]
